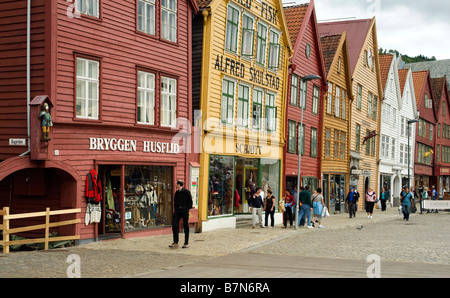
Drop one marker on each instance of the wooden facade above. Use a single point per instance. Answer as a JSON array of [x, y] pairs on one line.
[[442, 135], [366, 109], [336, 113], [425, 131], [104, 49], [304, 96], [245, 52]]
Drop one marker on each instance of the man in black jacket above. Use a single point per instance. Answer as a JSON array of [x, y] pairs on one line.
[[182, 202]]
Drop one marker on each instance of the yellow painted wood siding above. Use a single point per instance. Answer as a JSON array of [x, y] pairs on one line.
[[330, 121], [370, 81], [212, 89]]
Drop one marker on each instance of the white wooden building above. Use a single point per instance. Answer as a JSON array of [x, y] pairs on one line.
[[398, 106]]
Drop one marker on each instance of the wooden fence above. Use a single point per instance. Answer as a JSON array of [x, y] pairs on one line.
[[5, 227]]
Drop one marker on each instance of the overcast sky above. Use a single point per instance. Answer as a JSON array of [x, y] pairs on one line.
[[412, 27]]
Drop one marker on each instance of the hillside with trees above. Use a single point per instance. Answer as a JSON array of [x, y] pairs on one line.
[[406, 58]]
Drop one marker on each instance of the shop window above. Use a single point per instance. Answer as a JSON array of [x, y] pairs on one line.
[[87, 82], [146, 16], [169, 20], [148, 197], [221, 176], [270, 177]]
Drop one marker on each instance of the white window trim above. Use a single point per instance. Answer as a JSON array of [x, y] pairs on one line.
[[172, 111], [86, 80]]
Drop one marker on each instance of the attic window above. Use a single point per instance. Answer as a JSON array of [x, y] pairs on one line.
[[308, 50]]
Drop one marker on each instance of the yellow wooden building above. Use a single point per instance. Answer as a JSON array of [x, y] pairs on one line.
[[336, 116], [239, 79], [366, 108]]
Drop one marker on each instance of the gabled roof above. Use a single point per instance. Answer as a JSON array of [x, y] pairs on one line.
[[294, 19], [402, 76], [419, 78], [356, 36], [330, 45], [297, 18], [439, 88], [385, 66]]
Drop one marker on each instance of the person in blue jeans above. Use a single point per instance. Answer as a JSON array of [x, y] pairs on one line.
[[406, 203], [305, 208]]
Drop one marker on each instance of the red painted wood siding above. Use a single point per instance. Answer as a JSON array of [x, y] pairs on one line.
[[13, 71], [305, 66]]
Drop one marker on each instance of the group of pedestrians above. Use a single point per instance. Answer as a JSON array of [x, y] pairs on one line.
[[311, 207]]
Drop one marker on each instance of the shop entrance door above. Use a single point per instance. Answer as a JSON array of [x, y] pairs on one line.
[[337, 193], [246, 182], [110, 224]]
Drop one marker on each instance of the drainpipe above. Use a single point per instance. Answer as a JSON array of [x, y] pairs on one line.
[[28, 76]]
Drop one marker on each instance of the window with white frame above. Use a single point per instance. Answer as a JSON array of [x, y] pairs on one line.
[[369, 105], [313, 152], [330, 98], [88, 7], [303, 92], [294, 90], [385, 141], [359, 98], [87, 98], [315, 103], [169, 20], [168, 101], [146, 98], [274, 50], [337, 101], [146, 16], [343, 103], [261, 43], [393, 148], [257, 112], [248, 33], [292, 136], [301, 138], [227, 105], [231, 35], [242, 105], [271, 112]]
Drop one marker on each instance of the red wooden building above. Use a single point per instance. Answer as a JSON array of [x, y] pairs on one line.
[[307, 60], [425, 131], [442, 147], [116, 76]]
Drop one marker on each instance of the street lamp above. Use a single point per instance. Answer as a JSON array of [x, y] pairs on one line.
[[409, 154], [304, 79]]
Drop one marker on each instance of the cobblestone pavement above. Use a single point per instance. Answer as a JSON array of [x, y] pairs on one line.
[[423, 239]]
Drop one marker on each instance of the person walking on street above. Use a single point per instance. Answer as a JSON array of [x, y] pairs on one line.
[[406, 204], [318, 206], [425, 196], [305, 208], [256, 204], [289, 204], [182, 204], [269, 208], [351, 200], [434, 196], [383, 199], [370, 202]]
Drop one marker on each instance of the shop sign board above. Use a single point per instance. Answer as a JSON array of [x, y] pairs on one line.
[[113, 144]]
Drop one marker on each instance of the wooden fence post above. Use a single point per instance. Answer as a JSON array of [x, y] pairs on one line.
[[5, 229], [47, 227]]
